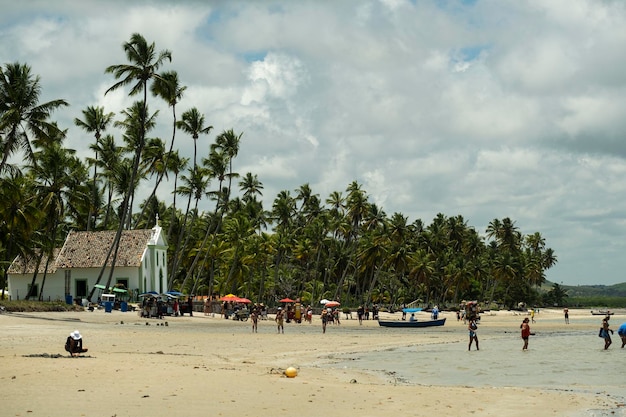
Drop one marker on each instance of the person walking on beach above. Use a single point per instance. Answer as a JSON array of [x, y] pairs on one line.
[[359, 313], [621, 331], [604, 333], [472, 327], [280, 317], [525, 332], [324, 318], [566, 312]]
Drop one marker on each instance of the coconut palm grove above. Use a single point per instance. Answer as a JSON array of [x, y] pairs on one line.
[[339, 246]]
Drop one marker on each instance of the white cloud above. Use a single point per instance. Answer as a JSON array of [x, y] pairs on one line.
[[487, 110]]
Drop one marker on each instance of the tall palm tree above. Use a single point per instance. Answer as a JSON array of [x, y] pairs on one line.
[[193, 123], [95, 121], [228, 143], [21, 114], [109, 157], [169, 89], [143, 67]]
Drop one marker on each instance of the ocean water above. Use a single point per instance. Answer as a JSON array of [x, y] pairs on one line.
[[563, 360]]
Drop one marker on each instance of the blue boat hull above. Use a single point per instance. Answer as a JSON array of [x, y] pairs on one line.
[[407, 323]]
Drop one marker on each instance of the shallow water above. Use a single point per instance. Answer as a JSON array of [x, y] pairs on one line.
[[557, 360]]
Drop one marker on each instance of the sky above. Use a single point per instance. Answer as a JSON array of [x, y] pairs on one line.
[[484, 108]]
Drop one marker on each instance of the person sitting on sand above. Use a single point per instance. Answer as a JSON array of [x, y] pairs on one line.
[[74, 344]]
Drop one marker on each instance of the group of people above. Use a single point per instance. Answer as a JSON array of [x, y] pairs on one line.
[[472, 328], [605, 332]]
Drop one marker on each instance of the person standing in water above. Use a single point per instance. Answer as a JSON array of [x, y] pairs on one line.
[[473, 337], [525, 332], [604, 332]]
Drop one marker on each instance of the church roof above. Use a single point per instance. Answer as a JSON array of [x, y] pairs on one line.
[[27, 265], [89, 250]]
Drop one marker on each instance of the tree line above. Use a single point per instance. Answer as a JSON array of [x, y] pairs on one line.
[[342, 246]]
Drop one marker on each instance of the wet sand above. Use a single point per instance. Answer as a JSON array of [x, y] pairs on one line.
[[207, 365]]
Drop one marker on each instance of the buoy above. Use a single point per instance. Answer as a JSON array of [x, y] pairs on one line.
[[291, 372]]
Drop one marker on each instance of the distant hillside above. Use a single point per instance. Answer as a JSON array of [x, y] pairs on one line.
[[575, 291]]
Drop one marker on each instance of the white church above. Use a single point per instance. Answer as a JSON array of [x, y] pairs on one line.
[[141, 266]]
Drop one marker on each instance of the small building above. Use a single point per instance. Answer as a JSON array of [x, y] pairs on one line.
[[141, 265]]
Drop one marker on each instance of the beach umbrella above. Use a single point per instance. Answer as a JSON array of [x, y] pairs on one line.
[[174, 293], [411, 310], [333, 304], [243, 300], [324, 301], [286, 300], [229, 297], [115, 289], [100, 287], [149, 294]]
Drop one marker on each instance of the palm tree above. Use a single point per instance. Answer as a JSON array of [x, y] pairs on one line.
[[228, 143], [109, 157], [20, 214], [143, 67], [21, 114], [193, 123], [251, 186], [55, 172], [95, 121], [169, 89]]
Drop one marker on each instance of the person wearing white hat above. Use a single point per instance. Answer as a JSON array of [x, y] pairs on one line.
[[74, 344]]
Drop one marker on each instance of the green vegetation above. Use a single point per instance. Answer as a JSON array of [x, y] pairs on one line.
[[33, 306], [303, 245], [593, 296]]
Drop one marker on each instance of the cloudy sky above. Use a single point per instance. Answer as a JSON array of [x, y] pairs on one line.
[[483, 108]]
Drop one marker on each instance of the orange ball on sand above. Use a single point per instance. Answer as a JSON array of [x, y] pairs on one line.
[[291, 372]]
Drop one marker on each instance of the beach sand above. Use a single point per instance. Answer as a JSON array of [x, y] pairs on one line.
[[204, 365]]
